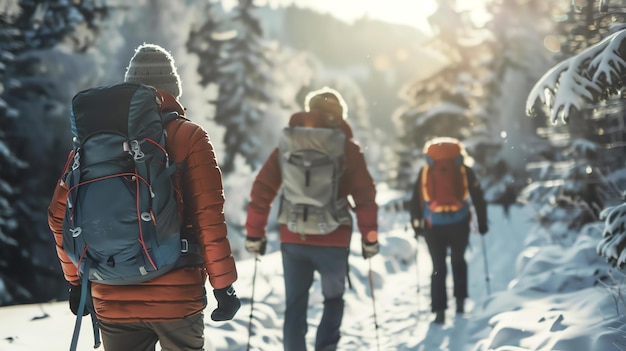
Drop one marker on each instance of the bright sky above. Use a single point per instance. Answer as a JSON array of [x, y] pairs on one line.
[[410, 12]]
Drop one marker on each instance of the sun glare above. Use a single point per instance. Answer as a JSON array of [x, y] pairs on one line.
[[409, 12]]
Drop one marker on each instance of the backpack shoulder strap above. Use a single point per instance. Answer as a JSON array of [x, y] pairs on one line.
[[66, 168], [170, 116], [423, 186], [465, 187]]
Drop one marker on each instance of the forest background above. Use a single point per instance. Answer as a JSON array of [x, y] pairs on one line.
[[246, 67]]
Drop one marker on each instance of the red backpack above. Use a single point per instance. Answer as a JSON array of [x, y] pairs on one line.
[[444, 188]]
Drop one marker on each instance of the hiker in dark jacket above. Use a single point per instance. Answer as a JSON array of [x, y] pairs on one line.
[[443, 217], [305, 253], [167, 309]]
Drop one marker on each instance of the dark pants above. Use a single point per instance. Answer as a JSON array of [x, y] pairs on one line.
[[439, 239], [186, 334], [299, 264]]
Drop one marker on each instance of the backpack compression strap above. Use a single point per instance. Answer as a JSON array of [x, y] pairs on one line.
[[84, 285]]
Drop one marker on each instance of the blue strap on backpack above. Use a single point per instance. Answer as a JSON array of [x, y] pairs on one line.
[[84, 285]]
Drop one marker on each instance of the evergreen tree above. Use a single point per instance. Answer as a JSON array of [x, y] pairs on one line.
[[240, 67], [204, 41], [514, 57], [476, 95], [441, 103], [27, 28], [585, 93]]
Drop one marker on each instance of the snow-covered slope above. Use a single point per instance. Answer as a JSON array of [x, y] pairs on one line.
[[543, 297]]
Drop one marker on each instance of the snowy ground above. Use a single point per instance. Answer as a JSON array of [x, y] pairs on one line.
[[543, 297]]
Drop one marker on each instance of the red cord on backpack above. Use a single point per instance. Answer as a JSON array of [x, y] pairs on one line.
[[82, 255], [140, 239], [167, 155]]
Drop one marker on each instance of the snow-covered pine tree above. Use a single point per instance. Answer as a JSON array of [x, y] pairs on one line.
[[204, 41], [244, 81], [585, 92], [26, 28], [10, 166], [439, 104], [514, 36]]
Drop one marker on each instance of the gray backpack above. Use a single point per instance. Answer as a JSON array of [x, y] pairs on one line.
[[312, 161]]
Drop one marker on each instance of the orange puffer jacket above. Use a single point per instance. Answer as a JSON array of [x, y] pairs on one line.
[[356, 182], [181, 292]]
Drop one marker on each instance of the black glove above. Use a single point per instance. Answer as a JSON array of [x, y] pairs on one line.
[[369, 250], [74, 300], [256, 245], [227, 304], [483, 228]]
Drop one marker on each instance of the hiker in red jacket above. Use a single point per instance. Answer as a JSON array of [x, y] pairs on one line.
[[167, 309], [316, 225], [440, 212]]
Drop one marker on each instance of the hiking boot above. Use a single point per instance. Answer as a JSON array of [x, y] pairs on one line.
[[439, 317], [460, 305]]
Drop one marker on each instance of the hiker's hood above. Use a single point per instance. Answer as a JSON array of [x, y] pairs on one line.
[[318, 119], [170, 103]]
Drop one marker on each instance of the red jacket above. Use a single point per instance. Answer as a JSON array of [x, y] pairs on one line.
[[356, 181], [181, 292]]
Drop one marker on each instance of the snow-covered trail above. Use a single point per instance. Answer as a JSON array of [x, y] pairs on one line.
[[403, 314], [403, 318]]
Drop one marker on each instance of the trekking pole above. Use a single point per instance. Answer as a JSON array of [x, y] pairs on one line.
[[417, 268], [371, 279], [482, 239], [256, 258]]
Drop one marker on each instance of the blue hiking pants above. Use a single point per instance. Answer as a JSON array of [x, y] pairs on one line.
[[439, 239], [299, 264]]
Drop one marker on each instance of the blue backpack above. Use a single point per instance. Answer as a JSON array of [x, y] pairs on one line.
[[121, 223]]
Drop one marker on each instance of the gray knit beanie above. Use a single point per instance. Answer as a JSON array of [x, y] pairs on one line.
[[153, 65]]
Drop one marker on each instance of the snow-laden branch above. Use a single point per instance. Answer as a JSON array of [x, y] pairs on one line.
[[614, 242], [444, 108], [580, 79], [609, 66]]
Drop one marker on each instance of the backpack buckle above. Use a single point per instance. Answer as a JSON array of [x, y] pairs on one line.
[[146, 216], [292, 226], [76, 162], [76, 231], [292, 221], [184, 245], [135, 150], [322, 227]]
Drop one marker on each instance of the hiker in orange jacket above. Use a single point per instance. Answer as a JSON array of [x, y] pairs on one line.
[[168, 309], [305, 253], [439, 211]]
